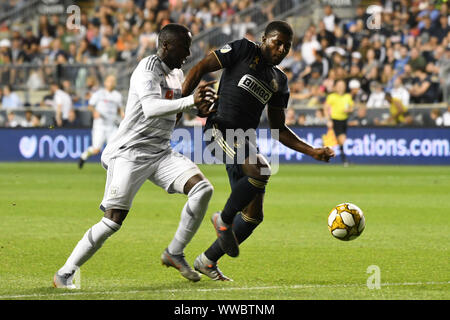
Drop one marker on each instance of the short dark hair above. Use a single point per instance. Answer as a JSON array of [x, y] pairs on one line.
[[171, 31], [280, 26]]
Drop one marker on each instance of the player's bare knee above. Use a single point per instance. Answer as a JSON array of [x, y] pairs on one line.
[[116, 215]]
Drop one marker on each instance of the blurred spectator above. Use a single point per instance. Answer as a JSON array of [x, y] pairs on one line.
[[422, 89], [376, 97], [370, 68], [441, 29], [400, 92], [323, 33], [318, 119], [47, 101], [434, 119], [358, 95], [2, 121], [309, 46], [72, 120], [10, 100], [387, 77], [330, 19], [36, 121], [301, 119], [28, 120], [360, 118], [446, 117], [14, 121], [356, 59], [291, 118], [62, 104], [399, 64], [416, 61], [67, 87], [29, 39]]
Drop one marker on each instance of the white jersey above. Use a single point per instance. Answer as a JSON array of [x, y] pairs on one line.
[[64, 100], [150, 117], [107, 104]]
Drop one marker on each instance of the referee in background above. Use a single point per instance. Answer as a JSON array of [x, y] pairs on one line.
[[338, 107]]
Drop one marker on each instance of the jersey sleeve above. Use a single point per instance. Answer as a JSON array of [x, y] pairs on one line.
[[280, 98], [148, 88], [230, 53], [147, 85]]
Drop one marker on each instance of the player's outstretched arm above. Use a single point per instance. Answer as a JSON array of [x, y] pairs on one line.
[[208, 64], [291, 140]]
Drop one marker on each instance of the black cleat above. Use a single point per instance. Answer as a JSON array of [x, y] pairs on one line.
[[80, 163]]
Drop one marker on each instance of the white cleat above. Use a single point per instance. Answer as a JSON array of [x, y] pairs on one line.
[[64, 281]]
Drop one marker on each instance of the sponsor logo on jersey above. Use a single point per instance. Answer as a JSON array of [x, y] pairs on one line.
[[259, 90]]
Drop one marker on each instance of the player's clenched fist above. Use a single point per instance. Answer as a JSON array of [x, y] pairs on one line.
[[323, 154]]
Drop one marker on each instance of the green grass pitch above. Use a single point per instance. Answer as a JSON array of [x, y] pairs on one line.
[[45, 208]]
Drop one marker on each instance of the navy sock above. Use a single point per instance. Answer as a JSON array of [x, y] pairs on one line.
[[343, 157], [242, 194], [243, 227]]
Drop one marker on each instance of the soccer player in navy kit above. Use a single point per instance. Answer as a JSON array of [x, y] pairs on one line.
[[250, 81]]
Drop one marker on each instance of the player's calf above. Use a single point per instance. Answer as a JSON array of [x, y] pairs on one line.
[[92, 240]]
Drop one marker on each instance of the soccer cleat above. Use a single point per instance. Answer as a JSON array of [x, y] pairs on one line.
[[64, 281], [80, 163], [209, 268], [179, 263], [225, 235]]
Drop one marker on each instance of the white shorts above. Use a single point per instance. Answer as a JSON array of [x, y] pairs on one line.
[[171, 171], [101, 134]]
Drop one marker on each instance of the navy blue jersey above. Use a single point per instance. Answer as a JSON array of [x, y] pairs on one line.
[[247, 85]]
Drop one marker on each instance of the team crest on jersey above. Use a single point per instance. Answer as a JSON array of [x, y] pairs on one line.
[[274, 85], [258, 89], [254, 63], [226, 48]]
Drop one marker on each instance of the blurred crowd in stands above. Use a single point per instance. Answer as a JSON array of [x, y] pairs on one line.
[[407, 55]]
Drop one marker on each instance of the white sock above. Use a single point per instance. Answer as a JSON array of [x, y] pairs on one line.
[[92, 240], [86, 154], [191, 216]]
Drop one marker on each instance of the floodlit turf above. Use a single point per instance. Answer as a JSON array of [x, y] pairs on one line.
[[45, 208]]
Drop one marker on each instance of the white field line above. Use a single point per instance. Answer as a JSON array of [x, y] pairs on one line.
[[300, 286]]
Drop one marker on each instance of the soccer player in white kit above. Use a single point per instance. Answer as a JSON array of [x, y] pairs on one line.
[[140, 150], [106, 107]]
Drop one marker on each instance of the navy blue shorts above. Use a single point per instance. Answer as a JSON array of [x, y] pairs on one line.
[[231, 150]]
